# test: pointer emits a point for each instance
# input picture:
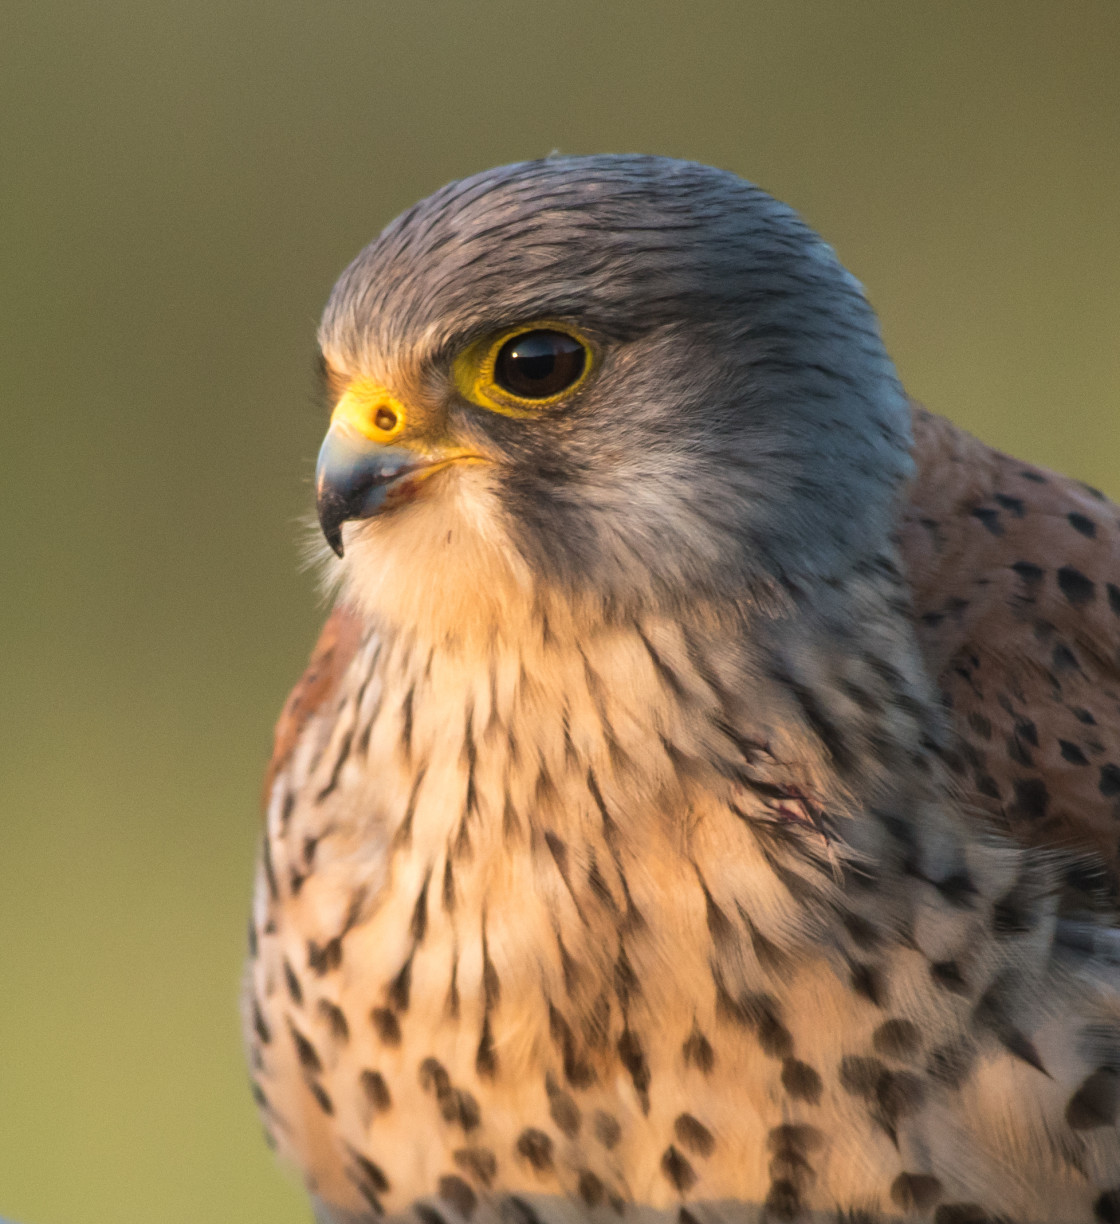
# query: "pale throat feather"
(563, 762)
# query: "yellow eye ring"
(523, 369)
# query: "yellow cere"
(473, 370)
(370, 410)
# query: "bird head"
(622, 381)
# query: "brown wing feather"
(336, 646)
(1016, 580)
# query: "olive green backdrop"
(180, 182)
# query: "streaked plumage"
(647, 838)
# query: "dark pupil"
(539, 364)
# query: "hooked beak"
(354, 479)
(360, 472)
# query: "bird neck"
(761, 739)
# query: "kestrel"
(702, 804)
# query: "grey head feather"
(745, 427)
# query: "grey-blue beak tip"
(352, 481)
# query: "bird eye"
(521, 370)
(536, 365)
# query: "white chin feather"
(440, 566)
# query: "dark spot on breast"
(606, 1129)
(577, 1071)
(371, 1173)
(987, 785)
(1013, 504)
(1072, 753)
(993, 1013)
(1062, 659)
(676, 1168)
(295, 990)
(1026, 730)
(801, 1081)
(761, 1013)
(1073, 584)
(898, 1094)
(600, 888)
(697, 1051)
(1031, 799)
(1083, 716)
(958, 889)
(867, 981)
(1030, 573)
(375, 1090)
(859, 1075)
(1095, 1102)
(1081, 524)
(305, 1051)
(897, 1038)
(863, 932)
(563, 1110)
(335, 1020)
(477, 1162)
(259, 1097)
(915, 1191)
(336, 770)
(626, 983)
(694, 1135)
(1114, 597)
(321, 1098)
(947, 974)
(491, 984)
(459, 1107)
(263, 1032)
(1033, 477)
(1109, 784)
(486, 1058)
(989, 518)
(831, 736)
(569, 968)
(455, 1191)
(386, 1026)
(980, 725)
(322, 960)
(1018, 751)
(782, 1201)
(418, 925)
(949, 1064)
(590, 1188)
(433, 1077)
(559, 852)
(536, 1147)
(794, 1136)
(310, 845)
(1015, 912)
(719, 926)
(634, 1060)
(1106, 1207)
(452, 1003)
(515, 1210)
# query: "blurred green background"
(180, 182)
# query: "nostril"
(385, 418)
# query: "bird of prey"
(703, 802)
